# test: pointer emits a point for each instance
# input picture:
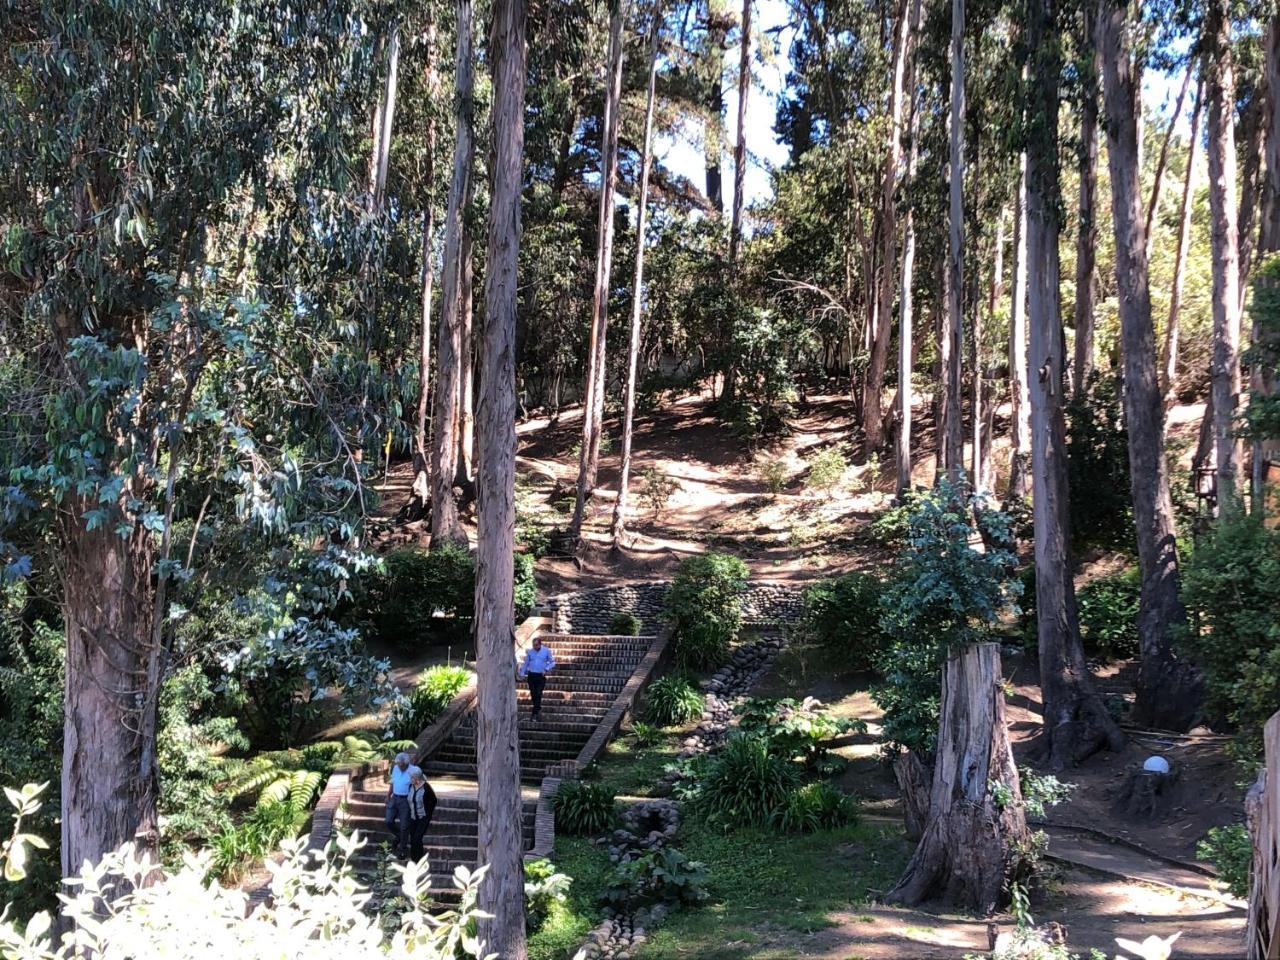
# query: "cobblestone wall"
(592, 611)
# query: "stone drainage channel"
(650, 824)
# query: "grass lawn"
(766, 887)
(630, 770)
(568, 924)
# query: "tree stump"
(914, 782)
(971, 842)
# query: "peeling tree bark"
(421, 454)
(906, 294)
(1020, 462)
(969, 847)
(1075, 721)
(740, 147)
(499, 833)
(951, 441)
(1169, 355)
(1087, 231)
(1170, 690)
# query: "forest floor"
(1098, 890)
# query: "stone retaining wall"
(764, 604)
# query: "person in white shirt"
(401, 779)
(538, 662)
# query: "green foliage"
(891, 527)
(434, 691)
(1109, 614)
(1040, 791)
(1098, 465)
(1262, 414)
(625, 625)
(745, 783)
(656, 488)
(827, 468)
(583, 808)
(1231, 851)
(660, 875)
(705, 607)
(15, 851)
(843, 615)
(645, 734)
(1231, 587)
(816, 806)
(942, 594)
(526, 588)
(672, 700)
(774, 475)
(794, 730)
(544, 890)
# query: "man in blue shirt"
(401, 779)
(538, 662)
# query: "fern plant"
(584, 809)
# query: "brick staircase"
(590, 673)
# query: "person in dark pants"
(422, 804)
(538, 662)
(399, 779)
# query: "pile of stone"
(617, 937)
(646, 825)
(592, 611)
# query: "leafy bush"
(1098, 465)
(1109, 614)
(843, 615)
(1231, 587)
(660, 875)
(815, 806)
(625, 625)
(582, 808)
(774, 474)
(656, 488)
(673, 700)
(943, 594)
(827, 468)
(745, 783)
(794, 731)
(526, 588)
(435, 690)
(645, 734)
(1231, 851)
(543, 888)
(891, 527)
(705, 605)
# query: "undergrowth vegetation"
(705, 607)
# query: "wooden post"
(1263, 808)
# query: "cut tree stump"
(971, 844)
(914, 783)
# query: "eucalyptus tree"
(1086, 291)
(177, 185)
(951, 442)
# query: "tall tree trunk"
(887, 230)
(906, 293)
(1020, 402)
(593, 406)
(740, 147)
(1087, 231)
(1169, 689)
(1075, 721)
(1169, 355)
(109, 778)
(1220, 89)
(445, 525)
(952, 437)
(466, 359)
(713, 126)
(618, 530)
(1158, 182)
(386, 118)
(971, 842)
(1265, 451)
(499, 833)
(1252, 127)
(421, 455)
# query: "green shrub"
(661, 875)
(656, 488)
(745, 783)
(1231, 587)
(435, 690)
(827, 468)
(645, 734)
(891, 527)
(794, 731)
(843, 615)
(543, 889)
(774, 475)
(582, 808)
(1231, 851)
(943, 594)
(673, 700)
(526, 589)
(705, 607)
(1098, 465)
(625, 625)
(1109, 614)
(816, 806)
